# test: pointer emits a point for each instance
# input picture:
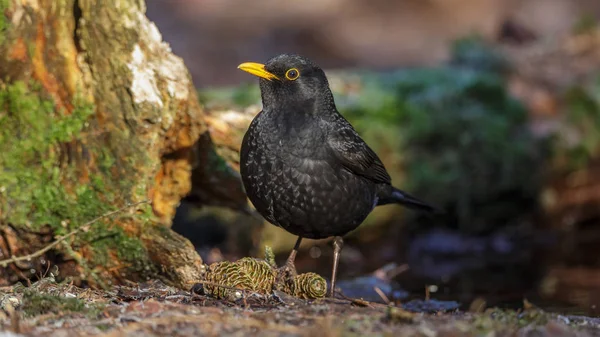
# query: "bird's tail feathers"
(397, 196)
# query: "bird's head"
(290, 80)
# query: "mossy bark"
(97, 113)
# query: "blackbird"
(304, 167)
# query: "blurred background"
(489, 109)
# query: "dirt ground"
(153, 309)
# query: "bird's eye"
(292, 74)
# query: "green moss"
(132, 249)
(108, 239)
(4, 4)
(31, 179)
(36, 303)
(146, 214)
(39, 187)
(497, 319)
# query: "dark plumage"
(303, 165)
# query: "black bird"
(303, 165)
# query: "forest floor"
(153, 309)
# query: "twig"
(356, 301)
(58, 241)
(382, 295)
(173, 297)
(362, 303)
(397, 271)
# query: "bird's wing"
(355, 155)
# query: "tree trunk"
(96, 113)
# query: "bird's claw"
(288, 270)
(285, 276)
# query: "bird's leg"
(338, 243)
(289, 266)
(287, 272)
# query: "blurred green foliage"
(465, 142)
(579, 142)
(587, 22)
(472, 53)
(242, 95)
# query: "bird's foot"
(285, 277)
(334, 292)
(288, 270)
(338, 243)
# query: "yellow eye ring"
(292, 74)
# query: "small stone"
(9, 303)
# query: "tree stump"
(96, 112)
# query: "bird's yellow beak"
(257, 69)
